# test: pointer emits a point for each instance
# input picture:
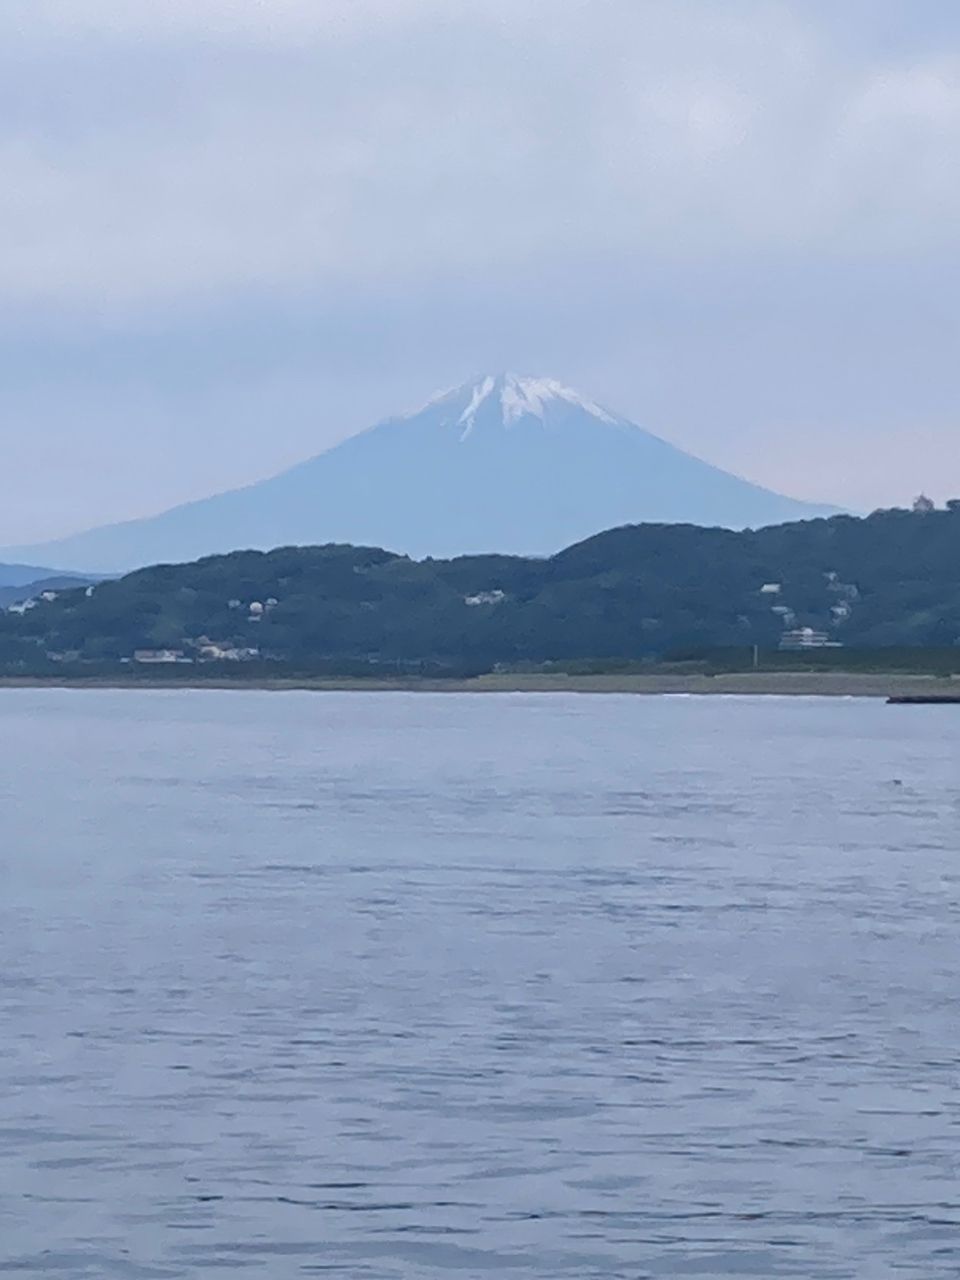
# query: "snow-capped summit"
(502, 464)
(506, 398)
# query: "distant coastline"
(816, 684)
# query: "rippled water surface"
(393, 986)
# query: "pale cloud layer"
(381, 189)
(287, 144)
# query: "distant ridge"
(22, 575)
(504, 463)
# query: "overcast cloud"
(234, 231)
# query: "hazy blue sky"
(234, 231)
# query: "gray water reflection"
(414, 986)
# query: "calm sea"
(399, 987)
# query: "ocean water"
(390, 986)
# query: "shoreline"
(810, 684)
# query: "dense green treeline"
(629, 594)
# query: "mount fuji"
(502, 464)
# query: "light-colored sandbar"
(778, 684)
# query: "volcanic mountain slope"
(502, 464)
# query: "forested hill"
(890, 579)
